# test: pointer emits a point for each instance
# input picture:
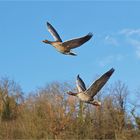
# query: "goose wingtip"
(112, 69)
(90, 34)
(78, 75)
(48, 24)
(110, 72)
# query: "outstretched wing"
(53, 32)
(80, 84)
(98, 84)
(74, 43)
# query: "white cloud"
(138, 53)
(128, 37)
(129, 32)
(110, 59)
(111, 40)
(135, 43)
(105, 61)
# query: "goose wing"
(53, 32)
(80, 84)
(99, 83)
(74, 43)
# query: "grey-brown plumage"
(65, 47)
(53, 32)
(80, 84)
(99, 83)
(86, 95)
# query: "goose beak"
(99, 104)
(72, 93)
(96, 103)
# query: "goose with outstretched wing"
(87, 95)
(65, 47)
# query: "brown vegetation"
(48, 113)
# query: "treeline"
(49, 113)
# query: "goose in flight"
(87, 95)
(65, 47)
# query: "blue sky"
(31, 63)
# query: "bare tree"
(10, 97)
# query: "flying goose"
(86, 95)
(65, 47)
